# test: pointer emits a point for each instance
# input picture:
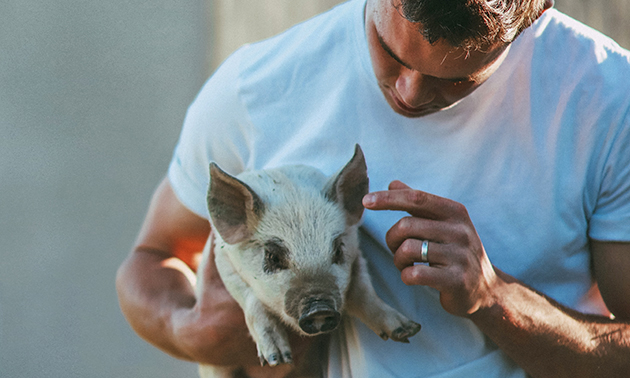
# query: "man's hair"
(471, 24)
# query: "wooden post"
(236, 22)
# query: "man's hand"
(214, 323)
(552, 341)
(458, 265)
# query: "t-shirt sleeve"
(215, 129)
(611, 218)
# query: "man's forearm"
(547, 340)
(156, 295)
(149, 290)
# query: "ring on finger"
(424, 251)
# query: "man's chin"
(403, 109)
(416, 113)
(408, 112)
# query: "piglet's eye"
(276, 256)
(338, 248)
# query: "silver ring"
(424, 251)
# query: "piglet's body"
(287, 250)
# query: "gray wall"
(92, 95)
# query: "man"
(516, 150)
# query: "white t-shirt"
(539, 155)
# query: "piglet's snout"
(318, 316)
(315, 303)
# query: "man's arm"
(156, 289)
(544, 338)
(549, 340)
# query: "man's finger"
(415, 202)
(398, 185)
(417, 228)
(410, 253)
(425, 275)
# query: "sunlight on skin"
(178, 265)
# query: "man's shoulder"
(304, 61)
(567, 35)
(568, 55)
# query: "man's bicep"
(611, 264)
(172, 228)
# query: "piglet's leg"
(268, 333)
(364, 303)
(265, 328)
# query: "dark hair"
(471, 24)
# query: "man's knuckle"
(462, 234)
(411, 276)
(407, 247)
(458, 210)
(416, 197)
(405, 225)
(392, 234)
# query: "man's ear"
(548, 5)
(348, 187)
(235, 209)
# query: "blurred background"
(92, 97)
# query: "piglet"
(287, 250)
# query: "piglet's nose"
(319, 317)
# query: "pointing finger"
(415, 202)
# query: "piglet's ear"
(348, 187)
(234, 207)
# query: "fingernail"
(369, 199)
